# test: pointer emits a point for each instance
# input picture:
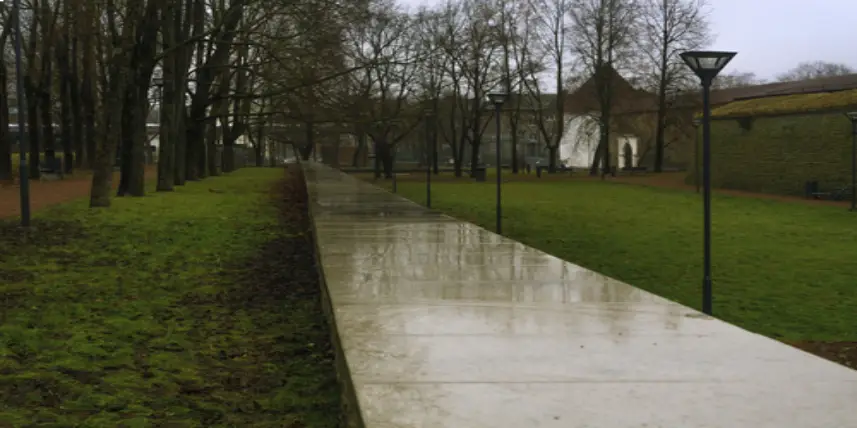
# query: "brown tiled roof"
(626, 98)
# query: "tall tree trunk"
(77, 116)
(118, 79)
(218, 127)
(240, 110)
(102, 178)
(46, 86)
(66, 83)
(126, 142)
(228, 156)
(361, 145)
(142, 64)
(179, 136)
(5, 140)
(458, 160)
(662, 109)
(259, 144)
(309, 146)
(166, 97)
(35, 130)
(139, 138)
(47, 114)
(474, 157)
(88, 86)
(205, 78)
(384, 154)
(213, 133)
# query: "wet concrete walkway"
(444, 324)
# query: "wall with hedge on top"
(779, 154)
(776, 144)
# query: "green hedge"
(788, 104)
(778, 155)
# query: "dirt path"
(46, 193)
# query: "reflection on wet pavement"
(444, 324)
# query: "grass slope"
(197, 308)
(781, 269)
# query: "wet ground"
(444, 323)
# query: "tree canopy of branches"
(214, 70)
(815, 70)
(225, 80)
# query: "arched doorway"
(627, 155)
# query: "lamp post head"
(707, 64)
(498, 98)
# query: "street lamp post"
(429, 149)
(706, 65)
(23, 146)
(853, 117)
(393, 170)
(498, 98)
(696, 122)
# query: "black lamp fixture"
(852, 116)
(706, 65)
(498, 99)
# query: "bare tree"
(603, 32)
(387, 47)
(815, 70)
(737, 79)
(668, 28)
(470, 40)
(5, 143)
(451, 111)
(433, 77)
(554, 26)
(478, 62)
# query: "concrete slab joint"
(440, 323)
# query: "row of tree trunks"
(5, 141)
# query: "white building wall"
(577, 147)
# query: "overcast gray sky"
(772, 36)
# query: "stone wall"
(778, 155)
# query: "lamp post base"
(707, 305)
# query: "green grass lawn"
(197, 308)
(786, 270)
